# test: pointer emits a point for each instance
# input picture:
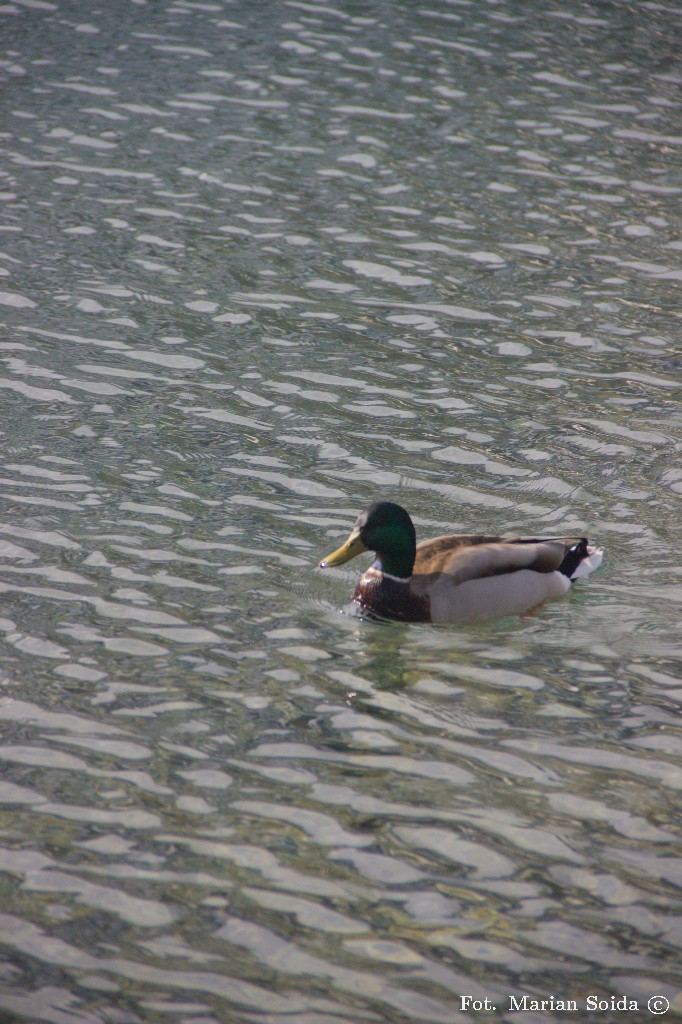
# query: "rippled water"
(262, 264)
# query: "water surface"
(258, 271)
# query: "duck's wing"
(471, 556)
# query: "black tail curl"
(574, 557)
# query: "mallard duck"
(460, 579)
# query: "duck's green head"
(386, 529)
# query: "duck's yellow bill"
(350, 549)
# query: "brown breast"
(391, 599)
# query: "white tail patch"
(594, 559)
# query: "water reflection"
(254, 275)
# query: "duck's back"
(470, 555)
(471, 578)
